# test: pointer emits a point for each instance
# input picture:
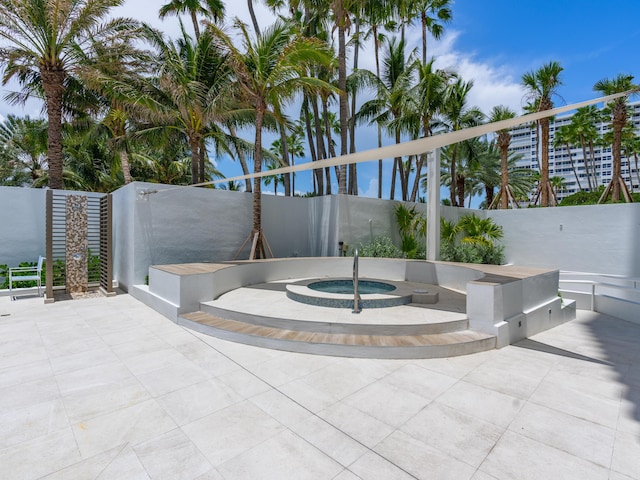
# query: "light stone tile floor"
(106, 388)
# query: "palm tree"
(456, 115)
(631, 147)
(377, 14)
(542, 85)
(564, 138)
(213, 9)
(42, 39)
(433, 15)
(558, 184)
(583, 127)
(393, 94)
(426, 101)
(191, 93)
(499, 113)
(618, 111)
(276, 179)
(25, 139)
(269, 72)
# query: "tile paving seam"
(275, 388)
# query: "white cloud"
(492, 85)
(372, 189)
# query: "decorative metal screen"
(106, 272)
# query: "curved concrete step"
(433, 345)
(337, 327)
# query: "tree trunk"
(340, 171)
(322, 153)
(489, 194)
(253, 17)
(460, 189)
(423, 17)
(193, 145)
(285, 159)
(243, 162)
(257, 168)
(202, 155)
(342, 85)
(585, 160)
(376, 46)
(594, 170)
(196, 27)
(504, 139)
(124, 164)
(416, 181)
(353, 168)
(452, 173)
(394, 171)
(616, 178)
(317, 172)
(573, 166)
(53, 86)
(545, 200)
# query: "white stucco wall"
(594, 238)
(22, 225)
(186, 224)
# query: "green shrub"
(379, 247)
(472, 253)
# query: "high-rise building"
(574, 170)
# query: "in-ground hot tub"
(338, 293)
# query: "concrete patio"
(107, 388)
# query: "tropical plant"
(393, 93)
(42, 40)
(456, 115)
(471, 240)
(583, 130)
(563, 139)
(541, 86)
(212, 9)
(24, 142)
(380, 247)
(270, 70)
(499, 113)
(412, 226)
(618, 111)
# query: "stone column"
(77, 271)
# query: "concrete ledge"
(424, 297)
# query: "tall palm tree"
(457, 114)
(618, 111)
(631, 147)
(26, 141)
(42, 38)
(499, 113)
(583, 127)
(564, 138)
(429, 95)
(393, 94)
(542, 85)
(212, 9)
(190, 94)
(341, 14)
(377, 14)
(433, 15)
(269, 72)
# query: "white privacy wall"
(186, 224)
(594, 238)
(22, 225)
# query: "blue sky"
(491, 42)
